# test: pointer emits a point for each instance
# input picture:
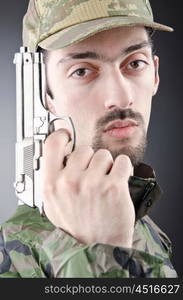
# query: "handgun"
(34, 122)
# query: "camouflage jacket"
(32, 247)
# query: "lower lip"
(121, 132)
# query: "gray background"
(164, 152)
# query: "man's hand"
(89, 197)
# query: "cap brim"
(79, 32)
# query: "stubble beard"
(135, 153)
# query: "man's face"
(105, 84)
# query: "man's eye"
(137, 65)
(81, 72)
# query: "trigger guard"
(51, 129)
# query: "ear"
(156, 77)
(50, 102)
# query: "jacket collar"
(144, 189)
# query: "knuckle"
(80, 151)
(51, 141)
(56, 137)
(88, 185)
(70, 185)
(86, 148)
(103, 153)
(63, 185)
(112, 189)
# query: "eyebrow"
(101, 57)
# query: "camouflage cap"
(54, 24)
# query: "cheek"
(78, 103)
(143, 92)
(81, 109)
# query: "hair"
(45, 54)
(149, 30)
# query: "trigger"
(38, 123)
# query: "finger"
(122, 168)
(54, 152)
(80, 158)
(101, 162)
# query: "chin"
(133, 148)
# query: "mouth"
(121, 129)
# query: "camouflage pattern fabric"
(54, 24)
(32, 247)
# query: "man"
(101, 72)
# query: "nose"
(118, 92)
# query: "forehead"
(110, 41)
